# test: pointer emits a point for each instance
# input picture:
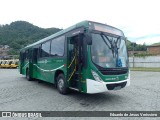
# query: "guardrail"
(149, 61)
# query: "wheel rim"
(60, 84)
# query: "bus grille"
(114, 72)
(112, 86)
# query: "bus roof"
(78, 25)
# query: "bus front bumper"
(98, 87)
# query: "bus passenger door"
(33, 61)
(74, 63)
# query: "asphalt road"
(18, 94)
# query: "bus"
(88, 57)
(0, 63)
(8, 64)
(3, 63)
(14, 64)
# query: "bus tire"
(28, 76)
(62, 85)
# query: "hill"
(21, 33)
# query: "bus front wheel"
(62, 85)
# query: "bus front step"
(73, 88)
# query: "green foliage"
(145, 69)
(136, 47)
(129, 47)
(13, 52)
(143, 55)
(20, 33)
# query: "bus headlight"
(96, 76)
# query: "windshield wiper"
(114, 46)
(102, 35)
(111, 46)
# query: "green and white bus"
(89, 57)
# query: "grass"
(145, 69)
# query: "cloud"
(148, 41)
(137, 18)
(149, 36)
(142, 33)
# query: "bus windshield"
(108, 51)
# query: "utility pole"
(133, 45)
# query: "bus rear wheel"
(62, 85)
(28, 76)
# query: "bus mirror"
(88, 39)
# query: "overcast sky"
(139, 19)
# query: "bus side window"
(57, 46)
(45, 51)
(27, 54)
(35, 54)
(39, 52)
(22, 56)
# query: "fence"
(149, 61)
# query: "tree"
(21, 33)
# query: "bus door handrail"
(74, 59)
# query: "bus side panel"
(34, 74)
(54, 65)
(24, 67)
(46, 68)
